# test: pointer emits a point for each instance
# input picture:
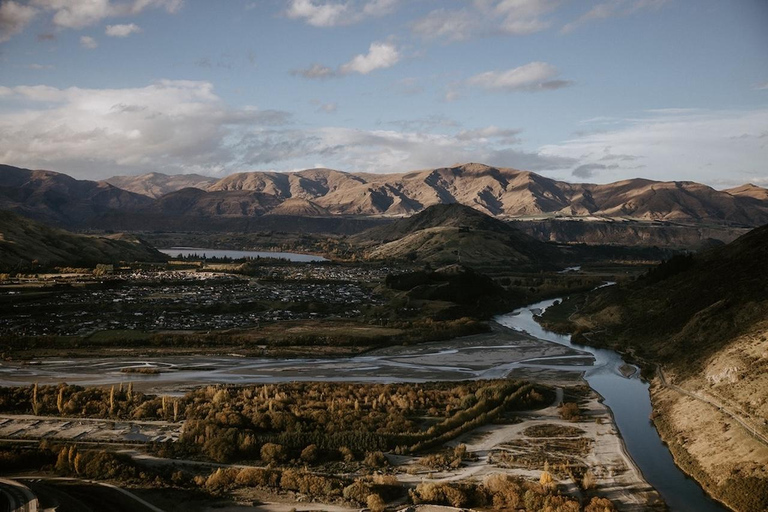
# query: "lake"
(235, 255)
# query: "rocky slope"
(23, 241)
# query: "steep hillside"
(23, 241)
(623, 232)
(687, 308)
(58, 199)
(704, 320)
(156, 184)
(455, 233)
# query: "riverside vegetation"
(333, 442)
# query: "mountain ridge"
(504, 193)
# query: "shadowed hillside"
(704, 320)
(689, 307)
(454, 233)
(61, 200)
(157, 184)
(23, 241)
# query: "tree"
(309, 453)
(588, 481)
(375, 503)
(272, 452)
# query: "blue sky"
(575, 90)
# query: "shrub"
(272, 452)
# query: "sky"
(577, 90)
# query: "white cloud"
(183, 126)
(172, 125)
(328, 108)
(77, 13)
(315, 72)
(452, 25)
(725, 147)
(534, 76)
(486, 17)
(122, 30)
(379, 56)
(14, 17)
(522, 17)
(321, 13)
(762, 87)
(390, 151)
(503, 135)
(88, 42)
(612, 9)
(38, 67)
(73, 14)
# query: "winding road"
(16, 497)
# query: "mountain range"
(499, 192)
(157, 201)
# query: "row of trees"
(504, 492)
(495, 492)
(229, 423)
(115, 402)
(226, 424)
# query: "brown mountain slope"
(454, 233)
(749, 190)
(704, 320)
(503, 192)
(23, 241)
(156, 184)
(500, 192)
(298, 207)
(194, 202)
(59, 199)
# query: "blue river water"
(629, 400)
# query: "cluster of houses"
(149, 301)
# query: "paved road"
(16, 497)
(76, 495)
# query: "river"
(484, 356)
(629, 400)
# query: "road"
(722, 408)
(16, 497)
(76, 495)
